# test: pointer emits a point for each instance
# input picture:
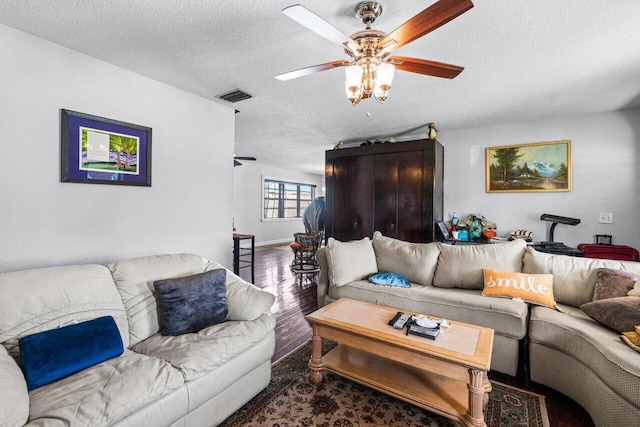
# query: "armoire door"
(398, 199)
(349, 182)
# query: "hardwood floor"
(295, 298)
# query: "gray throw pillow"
(620, 314)
(192, 303)
(613, 283)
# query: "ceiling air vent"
(234, 96)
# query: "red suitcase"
(619, 252)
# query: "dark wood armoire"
(394, 188)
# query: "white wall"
(247, 196)
(605, 157)
(44, 222)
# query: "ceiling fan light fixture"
(384, 74)
(369, 79)
(353, 74)
(384, 77)
(353, 83)
(380, 94)
(354, 94)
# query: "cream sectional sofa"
(195, 379)
(565, 350)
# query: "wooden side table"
(241, 254)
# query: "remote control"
(401, 321)
(396, 317)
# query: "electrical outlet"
(605, 218)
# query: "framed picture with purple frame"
(98, 150)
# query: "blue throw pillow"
(389, 279)
(192, 303)
(57, 353)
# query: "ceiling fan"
(237, 163)
(369, 66)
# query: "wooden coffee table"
(447, 376)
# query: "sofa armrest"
(244, 300)
(323, 279)
(14, 397)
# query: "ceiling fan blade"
(424, 22)
(310, 70)
(244, 158)
(423, 66)
(319, 26)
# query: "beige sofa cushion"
(14, 410)
(134, 279)
(42, 299)
(460, 266)
(414, 261)
(593, 345)
(244, 300)
(200, 353)
(350, 261)
(573, 278)
(104, 393)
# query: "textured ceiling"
(524, 60)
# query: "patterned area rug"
(292, 400)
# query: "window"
(286, 199)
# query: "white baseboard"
(274, 242)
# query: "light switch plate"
(605, 218)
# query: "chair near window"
(304, 249)
(306, 244)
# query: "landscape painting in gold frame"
(542, 166)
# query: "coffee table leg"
(477, 391)
(315, 364)
(487, 390)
